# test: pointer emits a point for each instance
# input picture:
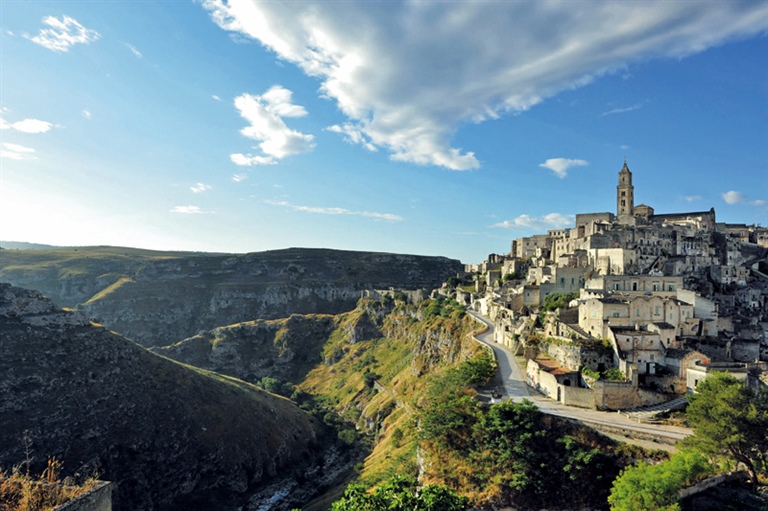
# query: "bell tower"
(625, 195)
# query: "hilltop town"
(632, 308)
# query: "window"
(671, 287)
(637, 312)
(656, 311)
(623, 193)
(615, 314)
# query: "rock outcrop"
(160, 299)
(172, 437)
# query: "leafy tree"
(515, 444)
(450, 413)
(400, 494)
(730, 420)
(645, 487)
(557, 300)
(479, 369)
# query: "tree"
(645, 487)
(515, 445)
(479, 369)
(729, 420)
(400, 494)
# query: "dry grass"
(20, 491)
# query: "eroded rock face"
(286, 349)
(172, 437)
(159, 300)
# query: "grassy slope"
(171, 435)
(398, 360)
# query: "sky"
(423, 127)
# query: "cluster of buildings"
(660, 299)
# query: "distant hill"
(23, 245)
(172, 436)
(157, 298)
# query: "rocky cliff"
(160, 298)
(173, 437)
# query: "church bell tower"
(625, 195)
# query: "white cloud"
(17, 152)
(217, 98)
(353, 135)
(63, 34)
(200, 188)
(187, 210)
(622, 110)
(560, 166)
(408, 75)
(133, 49)
(265, 115)
(733, 197)
(237, 178)
(336, 211)
(86, 113)
(693, 198)
(549, 221)
(27, 126)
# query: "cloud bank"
(336, 211)
(17, 152)
(26, 126)
(734, 197)
(408, 75)
(63, 34)
(539, 224)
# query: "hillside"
(335, 360)
(173, 437)
(157, 298)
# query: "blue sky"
(436, 128)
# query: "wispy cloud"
(336, 211)
(187, 210)
(17, 152)
(389, 77)
(200, 188)
(734, 197)
(86, 113)
(217, 98)
(27, 126)
(549, 221)
(237, 178)
(63, 34)
(353, 135)
(133, 49)
(622, 110)
(693, 198)
(265, 114)
(560, 166)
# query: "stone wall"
(669, 383)
(98, 499)
(575, 396)
(574, 357)
(541, 380)
(610, 395)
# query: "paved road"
(516, 389)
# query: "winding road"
(516, 389)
